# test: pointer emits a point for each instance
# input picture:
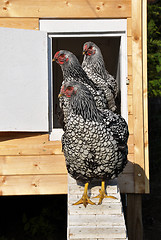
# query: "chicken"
(72, 71)
(89, 145)
(93, 65)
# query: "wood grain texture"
(129, 27)
(138, 96)
(131, 124)
(43, 164)
(66, 9)
(130, 85)
(129, 46)
(129, 61)
(30, 184)
(130, 104)
(145, 95)
(21, 144)
(21, 23)
(22, 165)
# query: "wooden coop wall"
(29, 162)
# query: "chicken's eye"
(62, 58)
(69, 88)
(91, 51)
(69, 91)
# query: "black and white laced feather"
(90, 145)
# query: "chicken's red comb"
(56, 55)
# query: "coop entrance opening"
(109, 46)
(110, 36)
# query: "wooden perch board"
(105, 221)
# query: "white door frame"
(88, 28)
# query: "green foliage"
(154, 49)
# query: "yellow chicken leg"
(85, 199)
(102, 193)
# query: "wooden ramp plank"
(95, 222)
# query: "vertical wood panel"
(129, 27)
(130, 85)
(129, 59)
(137, 96)
(145, 95)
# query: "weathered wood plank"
(102, 209)
(100, 232)
(30, 184)
(145, 95)
(100, 238)
(66, 9)
(20, 165)
(23, 23)
(139, 176)
(102, 220)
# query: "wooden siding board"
(66, 9)
(16, 165)
(28, 144)
(33, 184)
(22, 23)
(139, 174)
(28, 149)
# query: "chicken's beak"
(53, 60)
(60, 95)
(84, 52)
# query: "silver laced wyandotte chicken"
(92, 147)
(72, 71)
(94, 66)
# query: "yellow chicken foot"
(85, 199)
(102, 193)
